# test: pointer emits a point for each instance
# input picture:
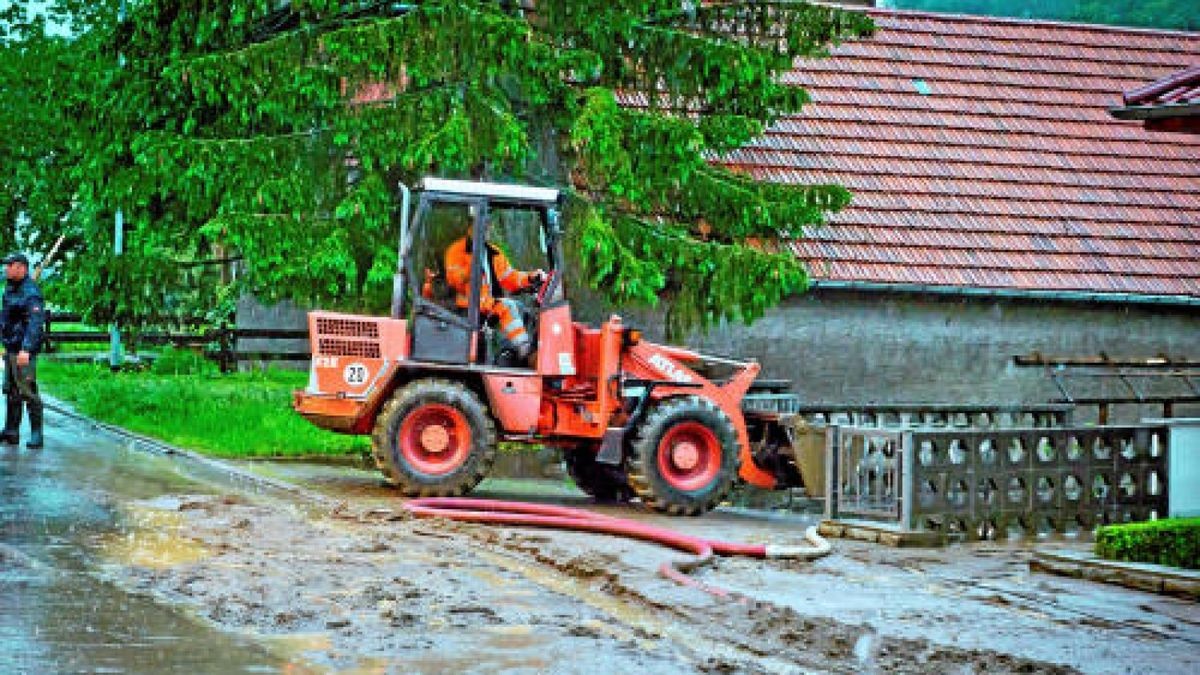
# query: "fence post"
(47, 343)
(226, 358)
(832, 469)
(907, 476)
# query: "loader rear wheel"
(434, 438)
(684, 457)
(601, 482)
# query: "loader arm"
(666, 366)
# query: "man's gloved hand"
(427, 285)
(537, 278)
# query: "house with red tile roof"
(998, 210)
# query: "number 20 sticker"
(355, 374)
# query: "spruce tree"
(274, 133)
(37, 122)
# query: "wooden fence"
(218, 344)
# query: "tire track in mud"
(744, 634)
(586, 579)
(352, 591)
(748, 636)
(700, 633)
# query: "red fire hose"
(546, 515)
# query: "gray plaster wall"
(851, 347)
(843, 347)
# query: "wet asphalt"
(65, 523)
(61, 518)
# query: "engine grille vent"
(348, 328)
(338, 347)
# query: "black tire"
(471, 439)
(646, 476)
(602, 482)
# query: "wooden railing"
(1142, 380)
(219, 344)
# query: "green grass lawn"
(184, 401)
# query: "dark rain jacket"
(23, 317)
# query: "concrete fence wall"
(849, 347)
(994, 483)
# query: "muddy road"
(338, 579)
(67, 542)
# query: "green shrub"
(1174, 542)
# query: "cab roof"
(494, 191)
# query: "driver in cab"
(498, 273)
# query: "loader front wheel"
(684, 457)
(434, 438)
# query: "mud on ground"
(374, 591)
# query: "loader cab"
(520, 221)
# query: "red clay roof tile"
(1009, 173)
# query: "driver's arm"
(512, 280)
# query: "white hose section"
(819, 549)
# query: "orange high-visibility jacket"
(458, 275)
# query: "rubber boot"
(12, 422)
(35, 426)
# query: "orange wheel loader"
(437, 390)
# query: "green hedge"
(1174, 542)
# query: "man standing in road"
(21, 323)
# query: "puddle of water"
(56, 620)
(517, 636)
(493, 663)
(57, 611)
(154, 540)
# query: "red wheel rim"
(435, 439)
(689, 456)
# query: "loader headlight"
(632, 336)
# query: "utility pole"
(114, 331)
